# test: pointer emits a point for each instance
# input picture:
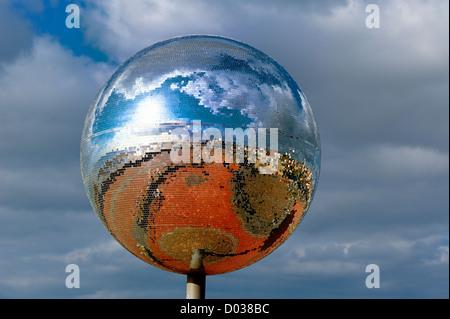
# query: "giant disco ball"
(200, 154)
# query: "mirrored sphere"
(200, 154)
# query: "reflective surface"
(186, 203)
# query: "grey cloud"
(227, 18)
(318, 266)
(15, 35)
(46, 95)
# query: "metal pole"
(195, 287)
(196, 278)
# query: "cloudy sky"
(381, 101)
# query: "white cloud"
(440, 257)
(418, 28)
(443, 255)
(121, 28)
(410, 31)
(45, 95)
(328, 259)
(86, 254)
(50, 76)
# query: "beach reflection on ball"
(200, 153)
